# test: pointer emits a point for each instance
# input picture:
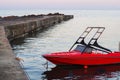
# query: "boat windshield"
(82, 48)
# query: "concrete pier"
(15, 27)
(10, 68)
(21, 27)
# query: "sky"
(60, 4)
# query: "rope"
(25, 71)
(22, 66)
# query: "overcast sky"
(59, 4)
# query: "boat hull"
(76, 58)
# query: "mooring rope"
(25, 71)
(22, 66)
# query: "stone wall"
(23, 28)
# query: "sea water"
(60, 38)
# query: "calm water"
(60, 38)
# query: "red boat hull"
(76, 58)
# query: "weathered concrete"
(9, 67)
(12, 28)
(16, 29)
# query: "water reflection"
(109, 72)
(22, 40)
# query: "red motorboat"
(82, 53)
